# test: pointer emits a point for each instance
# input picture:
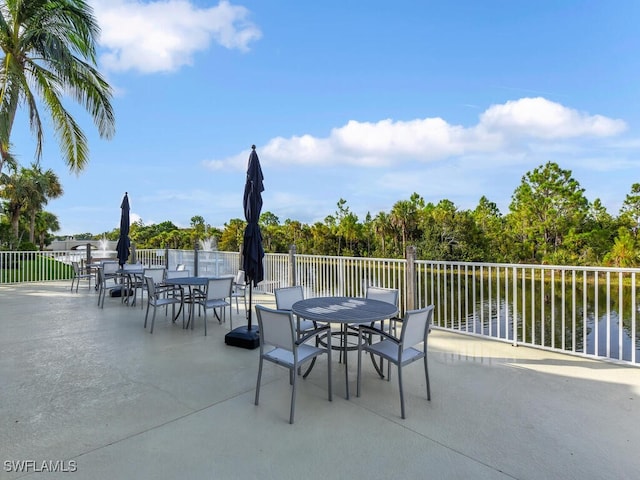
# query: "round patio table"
(344, 311)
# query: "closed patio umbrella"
(123, 240)
(252, 250)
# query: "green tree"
(545, 207)
(44, 187)
(598, 236)
(49, 49)
(270, 228)
(382, 228)
(45, 222)
(232, 235)
(630, 210)
(404, 217)
(624, 252)
(490, 223)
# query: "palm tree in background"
(45, 222)
(44, 186)
(49, 49)
(27, 191)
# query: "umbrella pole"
(249, 312)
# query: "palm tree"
(404, 217)
(27, 191)
(46, 185)
(49, 51)
(17, 188)
(45, 222)
(382, 227)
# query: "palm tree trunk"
(32, 227)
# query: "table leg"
(346, 362)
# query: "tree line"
(550, 221)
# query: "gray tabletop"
(344, 309)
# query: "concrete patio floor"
(92, 389)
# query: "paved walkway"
(91, 389)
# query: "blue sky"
(366, 101)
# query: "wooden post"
(166, 258)
(410, 278)
(292, 266)
(134, 258)
(195, 259)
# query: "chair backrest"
(177, 273)
(180, 267)
(219, 288)
(76, 267)
(151, 286)
(240, 279)
(276, 327)
(287, 296)
(109, 268)
(389, 295)
(415, 327)
(157, 274)
(132, 266)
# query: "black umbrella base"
(243, 337)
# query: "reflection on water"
(578, 335)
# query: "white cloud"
(162, 36)
(514, 127)
(541, 118)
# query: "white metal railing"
(588, 311)
(33, 266)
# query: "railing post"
(88, 253)
(292, 266)
(134, 258)
(410, 278)
(166, 258)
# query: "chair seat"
(389, 350)
(161, 302)
(284, 357)
(306, 325)
(215, 303)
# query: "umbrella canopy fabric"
(252, 250)
(123, 240)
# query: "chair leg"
(293, 395)
(426, 374)
(258, 383)
(146, 316)
(153, 319)
(401, 391)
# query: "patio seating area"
(90, 385)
